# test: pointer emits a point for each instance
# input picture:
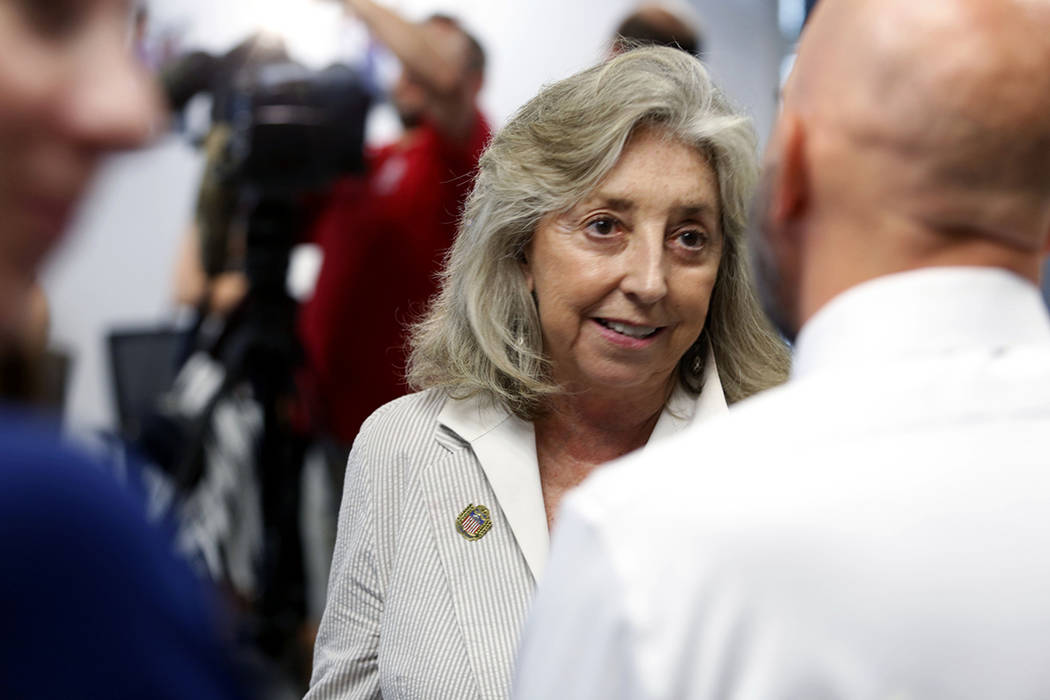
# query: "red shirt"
(383, 238)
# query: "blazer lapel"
(488, 579)
(491, 577)
(505, 446)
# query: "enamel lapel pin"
(474, 522)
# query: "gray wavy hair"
(482, 332)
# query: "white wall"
(115, 267)
(116, 270)
(745, 50)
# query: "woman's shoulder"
(396, 441)
(425, 421)
(405, 428)
(406, 413)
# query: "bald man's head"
(952, 98)
(924, 118)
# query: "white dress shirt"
(879, 527)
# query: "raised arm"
(436, 56)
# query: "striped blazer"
(416, 609)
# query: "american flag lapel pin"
(474, 522)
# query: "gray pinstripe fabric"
(415, 610)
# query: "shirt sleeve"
(577, 642)
(346, 654)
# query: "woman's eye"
(692, 239)
(602, 226)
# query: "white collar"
(928, 311)
(505, 445)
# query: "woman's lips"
(627, 335)
(633, 330)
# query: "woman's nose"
(645, 274)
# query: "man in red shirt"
(383, 235)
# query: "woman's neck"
(586, 428)
(579, 432)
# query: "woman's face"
(623, 280)
(70, 91)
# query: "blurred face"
(69, 93)
(409, 93)
(409, 98)
(623, 280)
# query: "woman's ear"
(523, 260)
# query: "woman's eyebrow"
(696, 210)
(685, 210)
(612, 202)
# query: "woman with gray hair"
(597, 297)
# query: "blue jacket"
(93, 602)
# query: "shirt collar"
(929, 311)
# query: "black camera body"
(284, 131)
(295, 130)
(292, 132)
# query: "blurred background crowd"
(526, 46)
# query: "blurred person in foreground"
(383, 235)
(659, 24)
(93, 602)
(597, 298)
(877, 527)
(23, 349)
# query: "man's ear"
(790, 182)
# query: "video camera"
(279, 132)
(292, 132)
(295, 130)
